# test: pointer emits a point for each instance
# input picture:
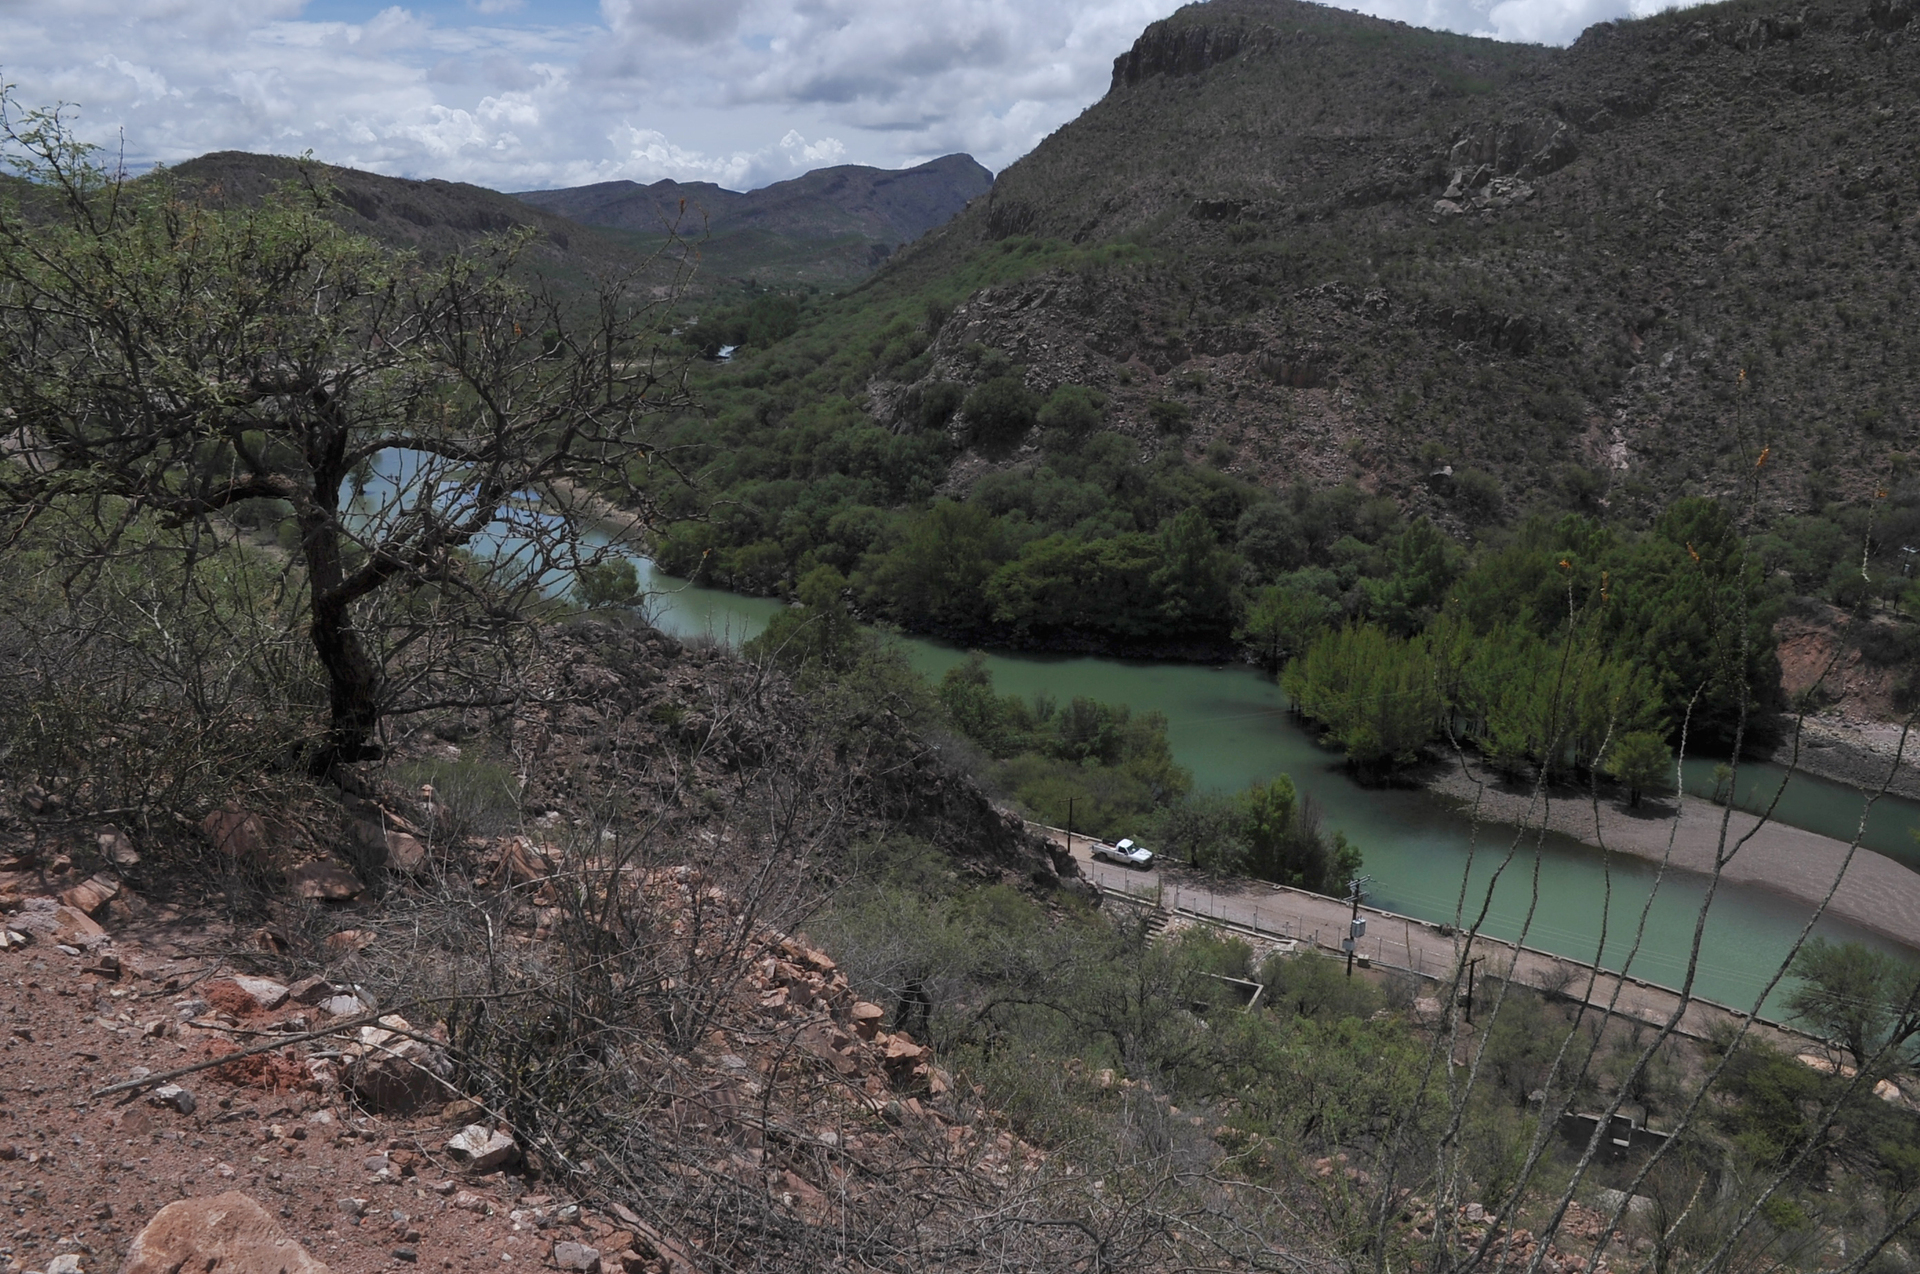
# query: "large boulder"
(227, 1232)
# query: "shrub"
(937, 403)
(606, 584)
(1073, 409)
(1168, 416)
(1000, 411)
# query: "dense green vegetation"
(1561, 647)
(1564, 634)
(1555, 642)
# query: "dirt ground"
(84, 1174)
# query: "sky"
(528, 94)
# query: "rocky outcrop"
(1165, 49)
(227, 1232)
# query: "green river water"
(1230, 727)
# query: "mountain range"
(831, 224)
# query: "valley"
(543, 729)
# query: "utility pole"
(1470, 968)
(1356, 927)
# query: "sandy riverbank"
(1860, 753)
(1875, 892)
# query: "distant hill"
(432, 217)
(831, 225)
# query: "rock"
(10, 939)
(351, 1207)
(117, 849)
(1637, 1205)
(173, 1095)
(480, 1149)
(227, 1232)
(348, 941)
(67, 1263)
(324, 880)
(866, 1019)
(45, 918)
(520, 863)
(310, 990)
(375, 842)
(406, 853)
(268, 940)
(236, 833)
(902, 1051)
(393, 1071)
(569, 1255)
(344, 1005)
(460, 1111)
(407, 1254)
(267, 993)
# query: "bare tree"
(164, 362)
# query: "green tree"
(1642, 760)
(1377, 695)
(1283, 621)
(1864, 1000)
(1169, 416)
(1000, 411)
(819, 634)
(1422, 565)
(1074, 410)
(181, 360)
(935, 573)
(1065, 583)
(1000, 724)
(1281, 832)
(1194, 579)
(604, 585)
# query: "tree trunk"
(353, 678)
(353, 688)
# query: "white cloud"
(513, 95)
(827, 150)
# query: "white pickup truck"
(1125, 852)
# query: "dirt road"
(1276, 914)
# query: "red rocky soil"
(85, 1172)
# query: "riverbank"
(1875, 892)
(1859, 753)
